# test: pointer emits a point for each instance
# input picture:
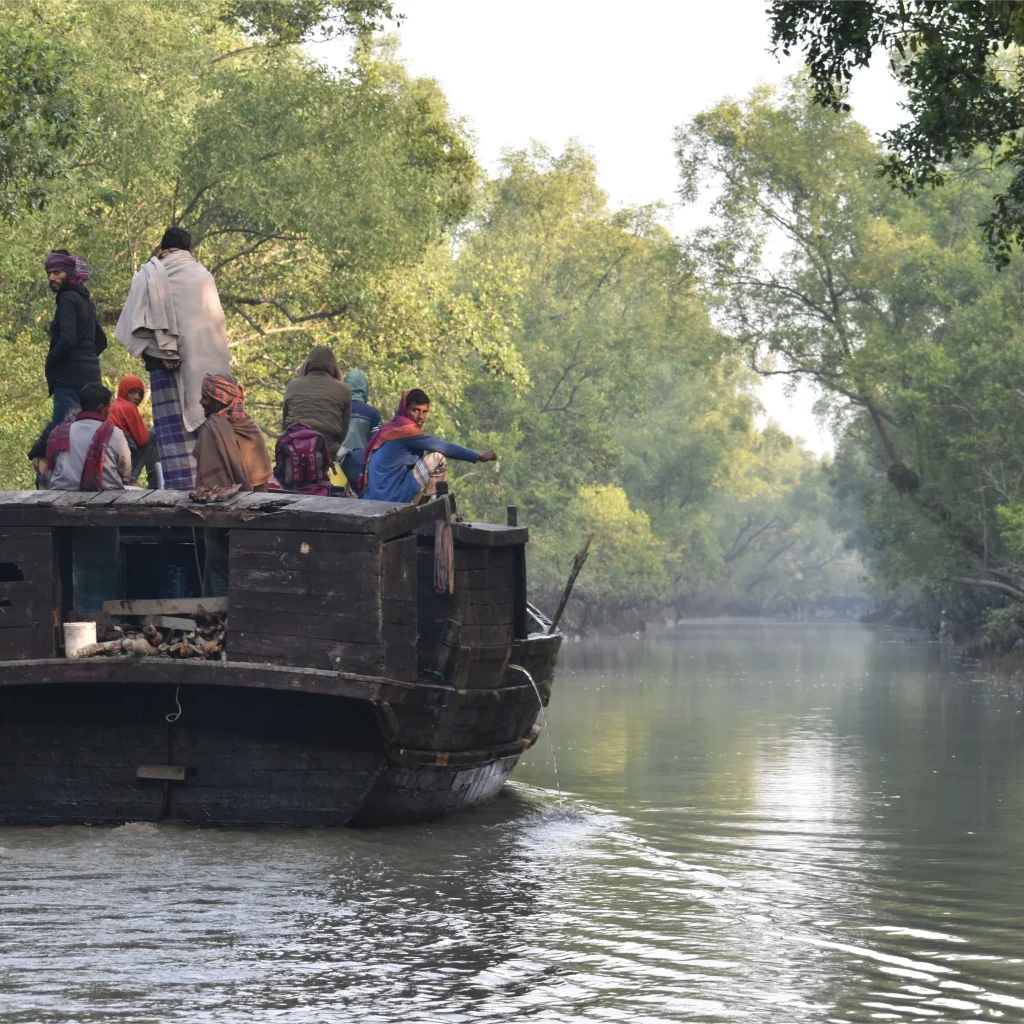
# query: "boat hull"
(107, 742)
(404, 795)
(74, 754)
(356, 688)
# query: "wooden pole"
(577, 564)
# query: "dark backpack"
(302, 460)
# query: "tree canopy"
(885, 303)
(40, 114)
(305, 189)
(962, 68)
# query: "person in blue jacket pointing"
(402, 463)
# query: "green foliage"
(628, 566)
(887, 306)
(40, 115)
(628, 383)
(594, 299)
(962, 68)
(308, 193)
(292, 21)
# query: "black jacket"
(76, 341)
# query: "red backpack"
(302, 460)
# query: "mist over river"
(760, 822)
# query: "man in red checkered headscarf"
(229, 445)
(229, 450)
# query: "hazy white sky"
(553, 70)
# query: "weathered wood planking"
(279, 649)
(500, 577)
(340, 603)
(434, 609)
(168, 606)
(24, 545)
(489, 535)
(399, 613)
(519, 599)
(258, 751)
(487, 602)
(326, 586)
(133, 671)
(327, 550)
(346, 601)
(318, 613)
(482, 535)
(249, 511)
(356, 563)
(29, 593)
(322, 624)
(72, 754)
(350, 599)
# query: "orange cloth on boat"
(126, 415)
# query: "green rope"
(175, 715)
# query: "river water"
(763, 823)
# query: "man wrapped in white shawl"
(174, 321)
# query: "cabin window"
(140, 563)
(160, 563)
(10, 572)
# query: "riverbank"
(634, 623)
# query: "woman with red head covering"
(124, 413)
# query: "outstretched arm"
(426, 443)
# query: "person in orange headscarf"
(124, 413)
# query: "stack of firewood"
(203, 642)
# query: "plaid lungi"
(175, 441)
(429, 469)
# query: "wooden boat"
(349, 693)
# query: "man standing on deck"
(76, 338)
(173, 319)
(403, 463)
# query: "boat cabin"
(326, 583)
(341, 688)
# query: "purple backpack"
(302, 460)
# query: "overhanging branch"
(1005, 588)
(244, 300)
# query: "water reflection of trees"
(837, 777)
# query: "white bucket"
(78, 635)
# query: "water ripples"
(792, 866)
